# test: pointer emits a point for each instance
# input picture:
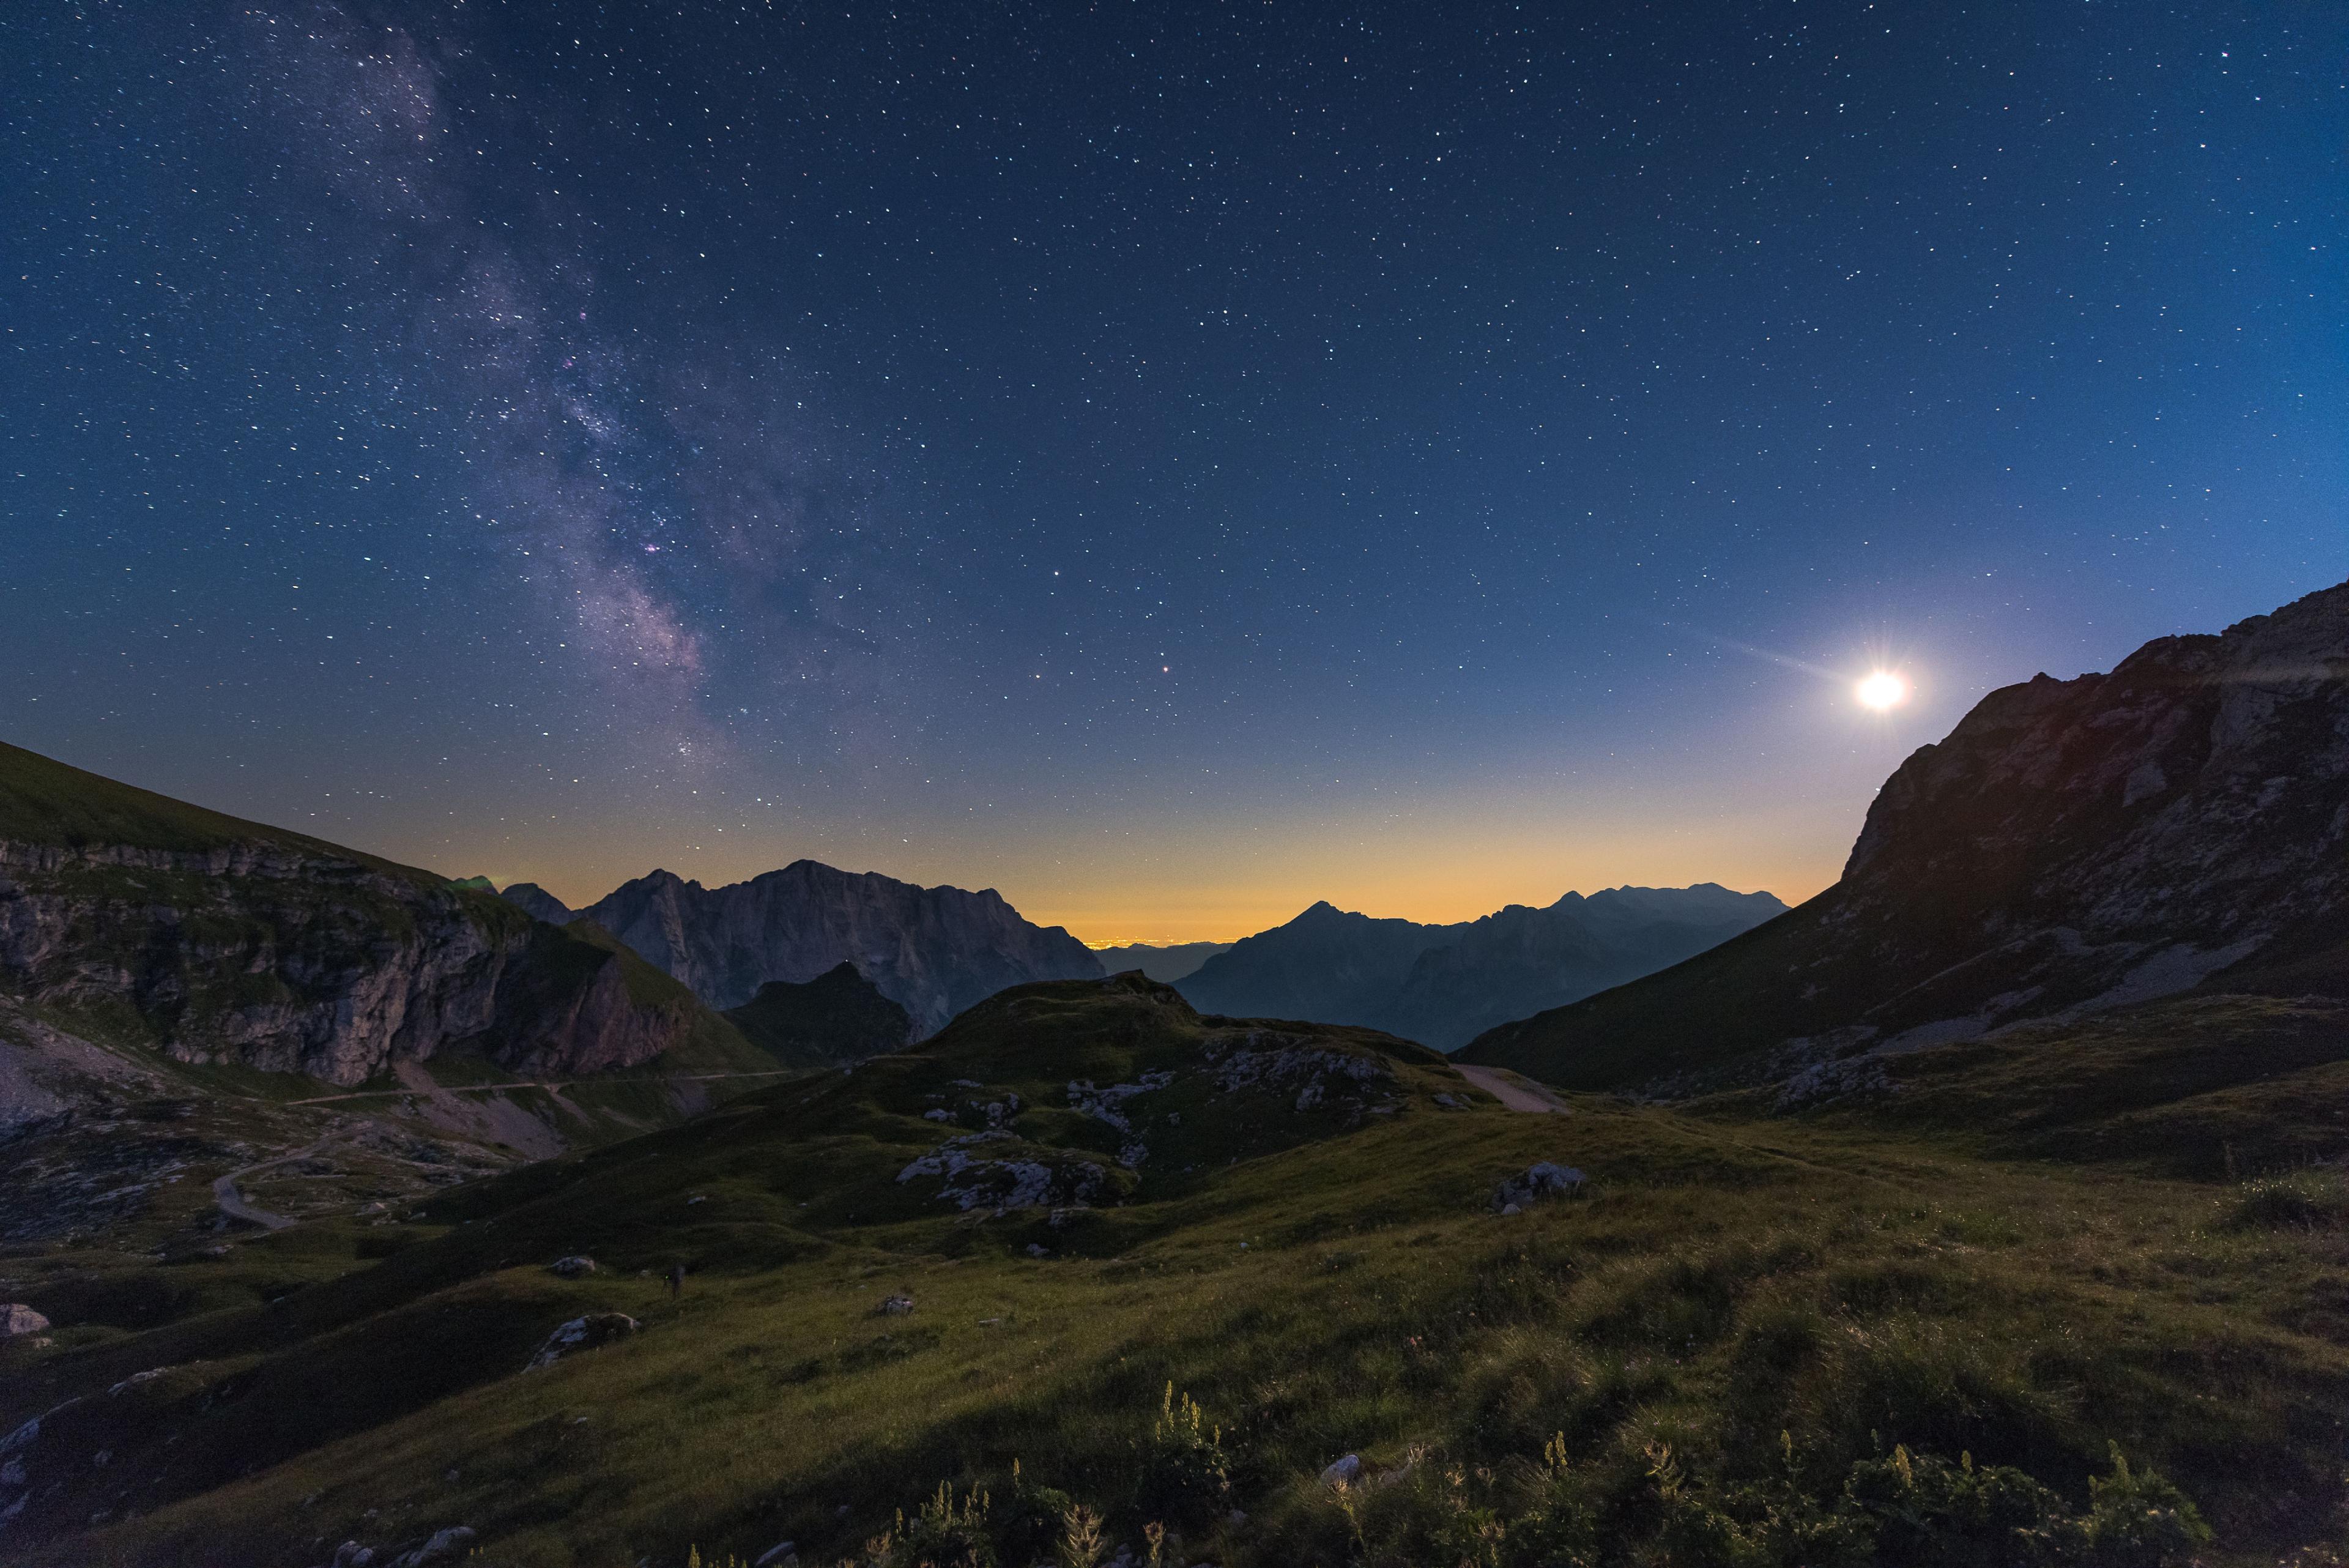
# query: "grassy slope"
(836, 1018)
(1320, 1287)
(43, 801)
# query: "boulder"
(895, 1306)
(588, 1333)
(1344, 1471)
(1542, 1180)
(16, 1318)
(573, 1266)
(446, 1546)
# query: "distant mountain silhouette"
(836, 1018)
(1163, 965)
(533, 900)
(1441, 985)
(2072, 846)
(934, 951)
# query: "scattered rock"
(940, 1114)
(446, 1546)
(1511, 1209)
(894, 1307)
(351, 1554)
(1345, 1471)
(16, 1318)
(696, 1198)
(1542, 1180)
(588, 1333)
(1447, 1102)
(1038, 1249)
(573, 1266)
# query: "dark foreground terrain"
(1087, 1256)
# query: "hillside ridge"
(2071, 846)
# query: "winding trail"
(231, 1202)
(1515, 1093)
(547, 1083)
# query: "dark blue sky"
(1169, 465)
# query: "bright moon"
(1881, 690)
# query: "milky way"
(1172, 467)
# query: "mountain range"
(2072, 847)
(933, 951)
(1442, 984)
(2006, 1224)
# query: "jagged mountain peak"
(2071, 845)
(934, 951)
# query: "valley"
(1987, 1208)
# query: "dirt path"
(231, 1202)
(1515, 1093)
(549, 1085)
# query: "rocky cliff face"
(2072, 847)
(222, 940)
(935, 951)
(1441, 985)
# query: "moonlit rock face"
(2072, 847)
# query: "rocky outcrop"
(230, 941)
(592, 1331)
(1442, 984)
(935, 951)
(2073, 845)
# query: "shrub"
(1930, 1513)
(1184, 1475)
(945, 1533)
(2305, 1199)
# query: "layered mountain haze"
(1165, 963)
(934, 951)
(2074, 847)
(1441, 985)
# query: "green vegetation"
(837, 1017)
(43, 801)
(1824, 1340)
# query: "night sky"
(1167, 463)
